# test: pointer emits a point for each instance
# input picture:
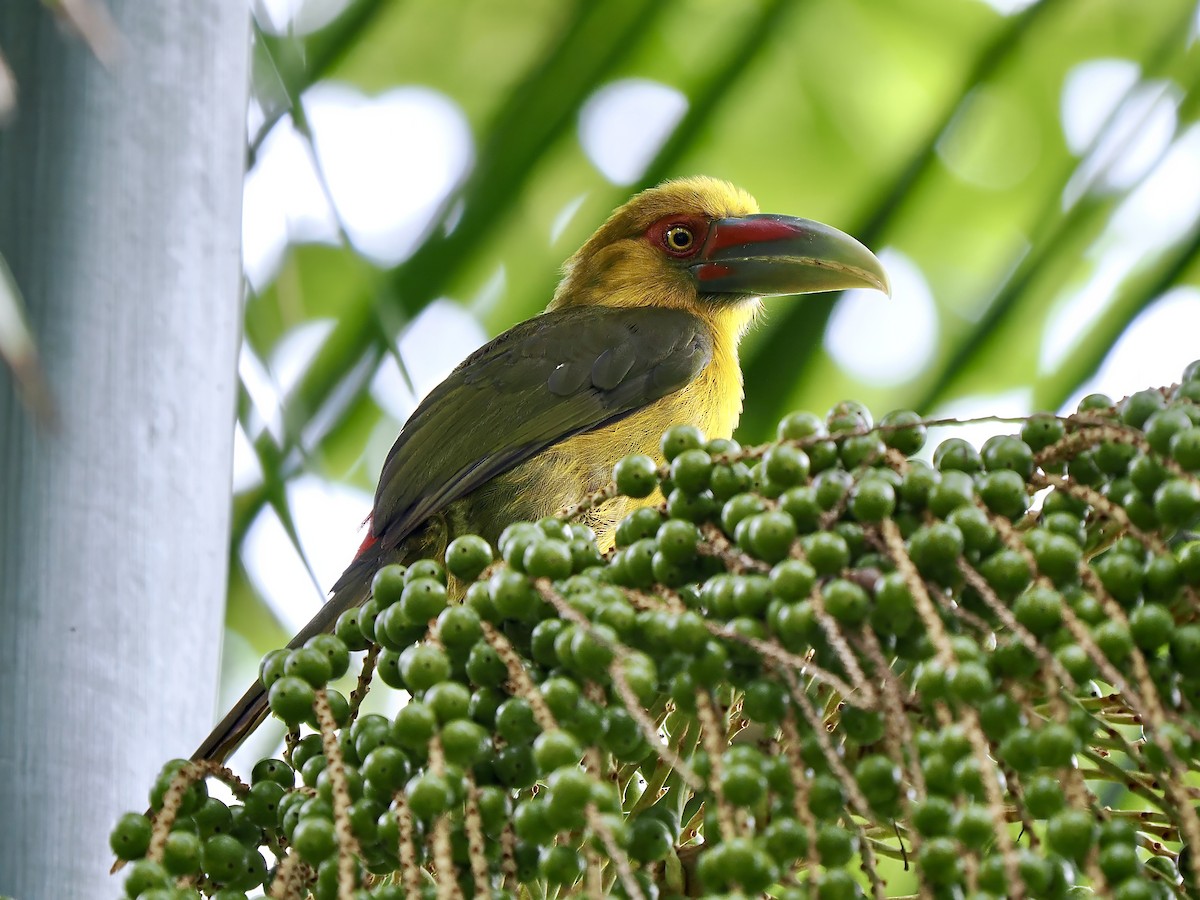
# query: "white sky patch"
(390, 161)
(437, 340)
(564, 217)
(328, 518)
(623, 124)
(1128, 125)
(1158, 212)
(881, 340)
(1152, 352)
(282, 203)
(296, 17)
(1010, 404)
(1009, 7)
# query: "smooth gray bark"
(120, 198)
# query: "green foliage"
(857, 674)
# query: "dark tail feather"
(249, 712)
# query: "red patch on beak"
(736, 232)
(712, 270)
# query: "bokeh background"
(418, 170)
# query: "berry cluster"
(820, 668)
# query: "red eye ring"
(678, 236)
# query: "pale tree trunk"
(120, 196)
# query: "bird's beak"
(765, 255)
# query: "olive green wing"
(551, 377)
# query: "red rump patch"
(369, 541)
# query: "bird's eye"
(679, 239)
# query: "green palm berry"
(429, 795)
(827, 552)
(970, 682)
(678, 540)
(223, 857)
(786, 840)
(449, 700)
(1058, 557)
(1006, 451)
(738, 508)
(459, 627)
(691, 470)
(826, 797)
(145, 876)
(431, 568)
(423, 599)
(872, 500)
(262, 803)
(799, 425)
(642, 523)
(770, 535)
(1118, 862)
(1150, 626)
(793, 579)
(1076, 661)
(1138, 407)
(1003, 492)
(902, 430)
(387, 585)
(484, 667)
(1056, 743)
(291, 699)
(831, 487)
(957, 454)
(182, 853)
(1072, 832)
(1147, 473)
(1114, 640)
(785, 465)
(349, 630)
(468, 555)
(271, 669)
(515, 721)
(560, 865)
(974, 826)
(513, 595)
(952, 490)
(334, 650)
(422, 666)
(918, 482)
(936, 548)
(1177, 502)
(1019, 750)
(729, 480)
(1044, 796)
(861, 450)
(1041, 430)
(933, 816)
(548, 559)
(131, 836)
(1185, 447)
(835, 845)
(1163, 425)
(554, 749)
(679, 438)
(743, 785)
(940, 861)
(1121, 574)
(801, 504)
(846, 601)
(636, 475)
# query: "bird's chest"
(560, 475)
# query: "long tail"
(249, 712)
